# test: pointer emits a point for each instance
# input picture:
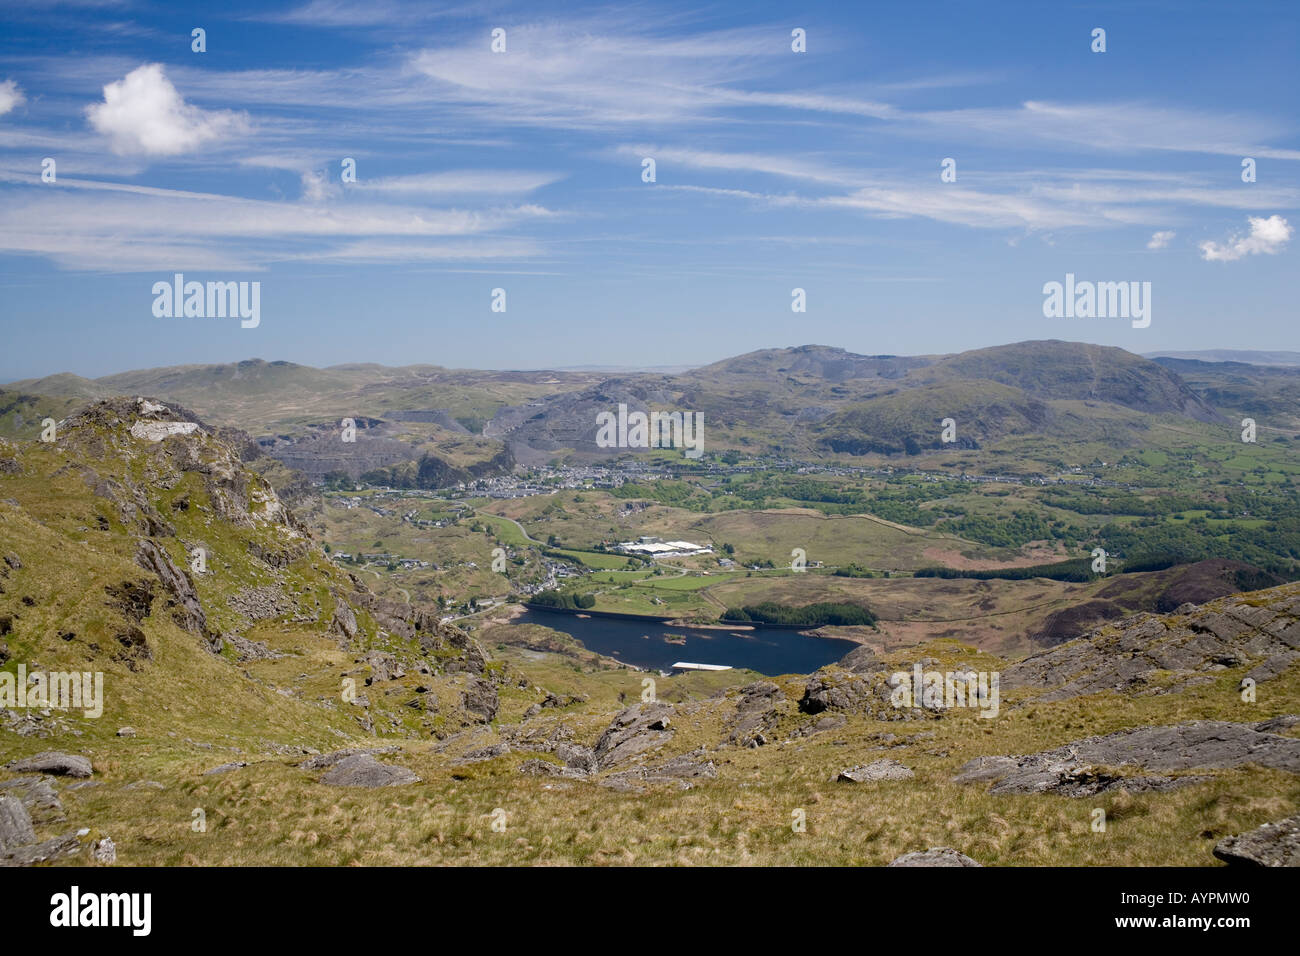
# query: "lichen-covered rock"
(363, 770)
(54, 762)
(480, 700)
(935, 856)
(15, 825)
(1149, 654)
(876, 770)
(639, 728)
(1273, 844)
(1073, 769)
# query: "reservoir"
(646, 644)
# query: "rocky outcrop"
(1273, 844)
(1077, 769)
(15, 825)
(187, 609)
(53, 762)
(38, 795)
(480, 700)
(756, 712)
(321, 761)
(635, 730)
(343, 625)
(679, 770)
(1149, 654)
(260, 604)
(876, 770)
(383, 667)
(935, 856)
(363, 770)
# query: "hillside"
(803, 401)
(302, 720)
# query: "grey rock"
(54, 762)
(343, 625)
(126, 731)
(876, 770)
(15, 825)
(1072, 769)
(860, 660)
(576, 756)
(383, 666)
(1128, 655)
(363, 770)
(485, 753)
(639, 728)
(480, 700)
(38, 796)
(1273, 666)
(935, 856)
(756, 713)
(321, 761)
(1273, 844)
(544, 768)
(1275, 724)
(46, 851)
(105, 851)
(226, 767)
(187, 608)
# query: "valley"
(398, 636)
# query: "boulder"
(15, 825)
(480, 700)
(343, 625)
(756, 712)
(636, 729)
(876, 770)
(1273, 844)
(363, 770)
(321, 761)
(225, 767)
(383, 666)
(935, 856)
(54, 762)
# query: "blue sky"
(522, 170)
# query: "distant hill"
(808, 400)
(1074, 370)
(1248, 356)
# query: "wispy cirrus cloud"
(1034, 200)
(120, 227)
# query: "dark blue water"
(642, 644)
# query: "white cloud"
(115, 227)
(1160, 239)
(1034, 200)
(144, 113)
(316, 186)
(11, 96)
(1266, 235)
